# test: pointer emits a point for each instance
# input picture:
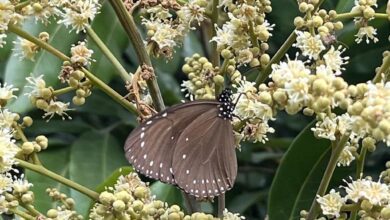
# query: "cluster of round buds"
(202, 77)
(386, 173)
(370, 110)
(77, 80)
(166, 28)
(322, 21)
(229, 68)
(66, 207)
(255, 107)
(364, 10)
(246, 32)
(40, 143)
(296, 88)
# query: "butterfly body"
(190, 145)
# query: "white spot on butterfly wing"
(149, 122)
(165, 114)
(161, 164)
(186, 139)
(143, 128)
(187, 172)
(184, 156)
(151, 163)
(142, 135)
(145, 156)
(142, 144)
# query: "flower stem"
(108, 90)
(22, 5)
(118, 66)
(214, 20)
(42, 170)
(21, 214)
(34, 156)
(114, 95)
(130, 27)
(62, 91)
(384, 69)
(314, 209)
(30, 209)
(351, 15)
(280, 53)
(15, 29)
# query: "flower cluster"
(255, 108)
(6, 14)
(65, 207)
(366, 12)
(244, 29)
(370, 197)
(130, 198)
(167, 32)
(43, 98)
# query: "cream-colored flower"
(5, 183)
(326, 128)
(7, 92)
(8, 150)
(36, 84)
(80, 14)
(2, 39)
(231, 216)
(334, 60)
(25, 49)
(331, 203)
(57, 107)
(310, 45)
(345, 158)
(7, 118)
(81, 54)
(42, 11)
(6, 12)
(368, 32)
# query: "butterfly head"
(226, 107)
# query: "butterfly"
(190, 145)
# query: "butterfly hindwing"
(204, 161)
(150, 147)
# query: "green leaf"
(45, 63)
(192, 45)
(297, 179)
(167, 193)
(94, 156)
(57, 160)
(242, 202)
(108, 28)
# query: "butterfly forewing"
(150, 147)
(204, 161)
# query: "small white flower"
(21, 185)
(36, 84)
(356, 189)
(331, 203)
(42, 11)
(7, 92)
(165, 36)
(368, 32)
(5, 183)
(326, 128)
(7, 118)
(224, 36)
(231, 216)
(193, 11)
(6, 12)
(25, 49)
(57, 107)
(310, 45)
(81, 54)
(345, 158)
(3, 205)
(334, 60)
(8, 150)
(80, 14)
(377, 193)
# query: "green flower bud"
(37, 7)
(78, 75)
(27, 121)
(378, 134)
(41, 104)
(218, 80)
(124, 196)
(308, 111)
(254, 62)
(37, 147)
(362, 89)
(78, 100)
(317, 21)
(74, 83)
(303, 7)
(264, 59)
(174, 216)
(320, 86)
(352, 90)
(80, 93)
(369, 143)
(203, 60)
(52, 213)
(137, 205)
(366, 205)
(27, 148)
(299, 22)
(385, 213)
(119, 206)
(46, 93)
(141, 192)
(280, 97)
(356, 108)
(266, 98)
(368, 12)
(338, 25)
(70, 202)
(106, 198)
(384, 125)
(27, 198)
(187, 69)
(321, 104)
(226, 54)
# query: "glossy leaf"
(112, 179)
(167, 193)
(298, 176)
(94, 156)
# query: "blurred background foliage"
(89, 148)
